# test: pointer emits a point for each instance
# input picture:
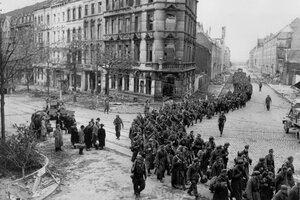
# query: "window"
(113, 26)
(54, 18)
(99, 7)
(74, 34)
(58, 35)
(121, 4)
(48, 37)
(113, 82)
(149, 50)
(99, 32)
(120, 83)
(120, 23)
(107, 5)
(150, 21)
(79, 13)
(79, 33)
(85, 30)
(136, 84)
(92, 29)
(138, 2)
(126, 83)
(137, 51)
(86, 10)
(68, 35)
(93, 8)
(63, 15)
(137, 25)
(127, 25)
(63, 35)
(48, 19)
(68, 15)
(54, 36)
(148, 85)
(106, 27)
(74, 13)
(150, 1)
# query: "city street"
(110, 169)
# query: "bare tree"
(15, 50)
(114, 63)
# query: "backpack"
(139, 168)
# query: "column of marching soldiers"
(161, 145)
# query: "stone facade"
(160, 36)
(269, 56)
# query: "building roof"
(293, 56)
(28, 9)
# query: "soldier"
(118, 122)
(139, 175)
(193, 176)
(198, 144)
(282, 194)
(267, 186)
(221, 122)
(260, 86)
(268, 102)
(217, 167)
(237, 180)
(281, 178)
(161, 162)
(295, 191)
(150, 151)
(221, 187)
(136, 147)
(178, 176)
(253, 185)
(225, 154)
(261, 166)
(106, 105)
(270, 161)
(215, 154)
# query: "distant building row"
(278, 55)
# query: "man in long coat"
(101, 136)
(178, 177)
(58, 138)
(253, 186)
(237, 180)
(88, 135)
(161, 162)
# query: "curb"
(280, 94)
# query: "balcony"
(177, 66)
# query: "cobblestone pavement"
(252, 125)
(256, 126)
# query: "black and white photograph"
(149, 100)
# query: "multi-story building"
(160, 36)
(270, 54)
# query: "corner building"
(160, 35)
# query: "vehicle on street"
(292, 121)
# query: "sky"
(245, 20)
